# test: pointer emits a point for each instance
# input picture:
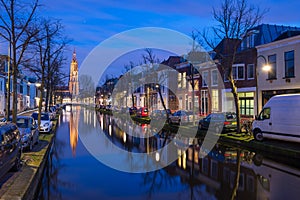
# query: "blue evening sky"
(89, 22)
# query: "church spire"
(74, 59)
(73, 81)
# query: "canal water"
(81, 167)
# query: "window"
(238, 72)
(179, 80)
(289, 64)
(272, 63)
(248, 41)
(205, 166)
(186, 102)
(214, 77)
(183, 80)
(250, 71)
(265, 114)
(196, 82)
(204, 79)
(246, 103)
(215, 100)
(214, 169)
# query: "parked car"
(29, 131)
(220, 122)
(10, 148)
(160, 114)
(46, 123)
(132, 110)
(52, 111)
(182, 116)
(142, 112)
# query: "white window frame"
(235, 68)
(205, 79)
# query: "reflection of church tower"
(73, 125)
(73, 82)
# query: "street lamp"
(265, 67)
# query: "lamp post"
(266, 67)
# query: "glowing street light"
(266, 67)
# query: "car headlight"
(46, 124)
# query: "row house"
(244, 70)
(199, 79)
(283, 77)
(26, 89)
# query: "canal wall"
(23, 185)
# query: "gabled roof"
(225, 47)
(172, 61)
(266, 33)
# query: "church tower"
(73, 82)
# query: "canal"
(81, 167)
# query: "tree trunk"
(15, 92)
(41, 98)
(237, 177)
(163, 103)
(132, 99)
(237, 105)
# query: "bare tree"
(150, 58)
(233, 18)
(48, 51)
(17, 18)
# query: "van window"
(265, 114)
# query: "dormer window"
(249, 40)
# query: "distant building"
(73, 81)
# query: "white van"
(279, 119)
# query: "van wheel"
(258, 135)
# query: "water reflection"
(73, 125)
(224, 173)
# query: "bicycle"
(247, 126)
